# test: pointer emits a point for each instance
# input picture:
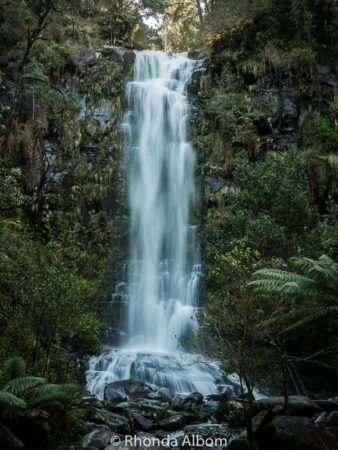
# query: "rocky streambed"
(133, 415)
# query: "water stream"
(163, 272)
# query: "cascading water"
(164, 267)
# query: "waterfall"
(164, 268)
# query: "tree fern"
(313, 292)
(22, 384)
(10, 404)
(15, 367)
(45, 394)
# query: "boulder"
(298, 405)
(142, 422)
(296, 433)
(115, 421)
(98, 436)
(186, 402)
(328, 419)
(172, 423)
(158, 395)
(92, 401)
(123, 407)
(126, 390)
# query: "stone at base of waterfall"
(172, 423)
(142, 422)
(115, 421)
(182, 402)
(106, 436)
(126, 390)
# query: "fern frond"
(48, 392)
(11, 405)
(15, 367)
(23, 383)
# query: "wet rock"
(123, 407)
(215, 183)
(115, 421)
(142, 422)
(181, 402)
(97, 443)
(158, 395)
(288, 111)
(208, 409)
(328, 419)
(172, 423)
(119, 54)
(126, 390)
(105, 436)
(92, 401)
(215, 397)
(298, 405)
(296, 433)
(189, 417)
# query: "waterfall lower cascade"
(163, 274)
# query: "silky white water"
(161, 289)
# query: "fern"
(22, 384)
(10, 404)
(49, 392)
(315, 290)
(15, 367)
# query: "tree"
(228, 329)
